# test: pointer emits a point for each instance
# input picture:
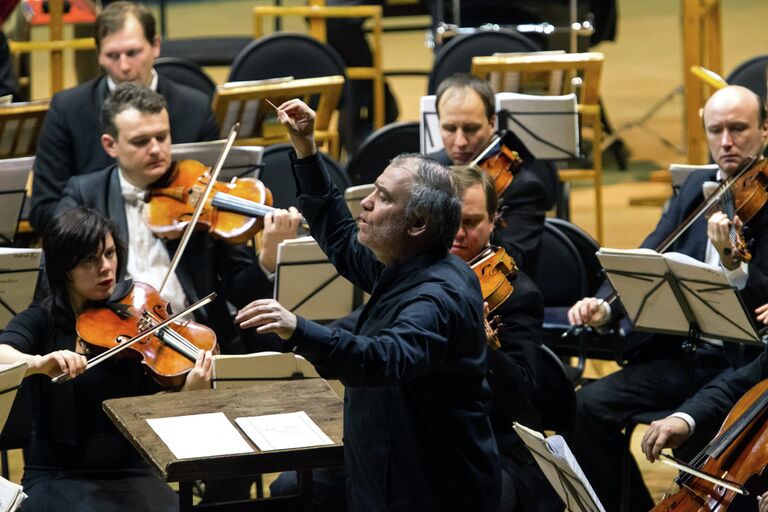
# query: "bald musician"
(660, 373)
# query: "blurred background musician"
(76, 459)
(69, 143)
(660, 374)
(466, 109)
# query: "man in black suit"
(466, 108)
(69, 143)
(513, 369)
(662, 372)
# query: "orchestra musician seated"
(69, 144)
(663, 371)
(416, 426)
(76, 459)
(466, 109)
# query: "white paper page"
(18, 276)
(559, 447)
(11, 495)
(429, 126)
(661, 310)
(557, 469)
(11, 376)
(547, 125)
(283, 431)
(305, 278)
(14, 174)
(182, 435)
(705, 287)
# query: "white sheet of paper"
(182, 435)
(283, 431)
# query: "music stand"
(242, 161)
(239, 370)
(14, 173)
(558, 464)
(354, 195)
(10, 382)
(674, 294)
(18, 277)
(308, 285)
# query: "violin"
(735, 459)
(228, 215)
(499, 162)
(495, 269)
(169, 354)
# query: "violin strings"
(185, 346)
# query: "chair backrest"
(185, 72)
(206, 51)
(456, 55)
(751, 74)
(286, 54)
(278, 178)
(20, 125)
(246, 103)
(557, 398)
(587, 247)
(559, 271)
(379, 148)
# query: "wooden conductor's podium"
(245, 102)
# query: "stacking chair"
(557, 398)
(456, 55)
(556, 74)
(751, 74)
(247, 103)
(278, 178)
(185, 72)
(379, 148)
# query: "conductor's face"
(734, 130)
(127, 56)
(382, 225)
(142, 146)
(464, 127)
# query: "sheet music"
(429, 126)
(182, 435)
(641, 276)
(14, 174)
(547, 125)
(680, 172)
(18, 277)
(238, 370)
(558, 464)
(11, 495)
(308, 285)
(11, 376)
(283, 431)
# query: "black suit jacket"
(693, 242)
(207, 265)
(70, 140)
(523, 207)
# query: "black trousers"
(605, 406)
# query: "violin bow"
(685, 468)
(496, 138)
(64, 377)
(201, 203)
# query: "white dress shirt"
(148, 259)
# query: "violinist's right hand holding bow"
(589, 311)
(52, 364)
(299, 120)
(669, 432)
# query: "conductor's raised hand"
(267, 315)
(669, 432)
(299, 120)
(55, 363)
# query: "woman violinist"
(76, 458)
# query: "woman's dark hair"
(70, 238)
